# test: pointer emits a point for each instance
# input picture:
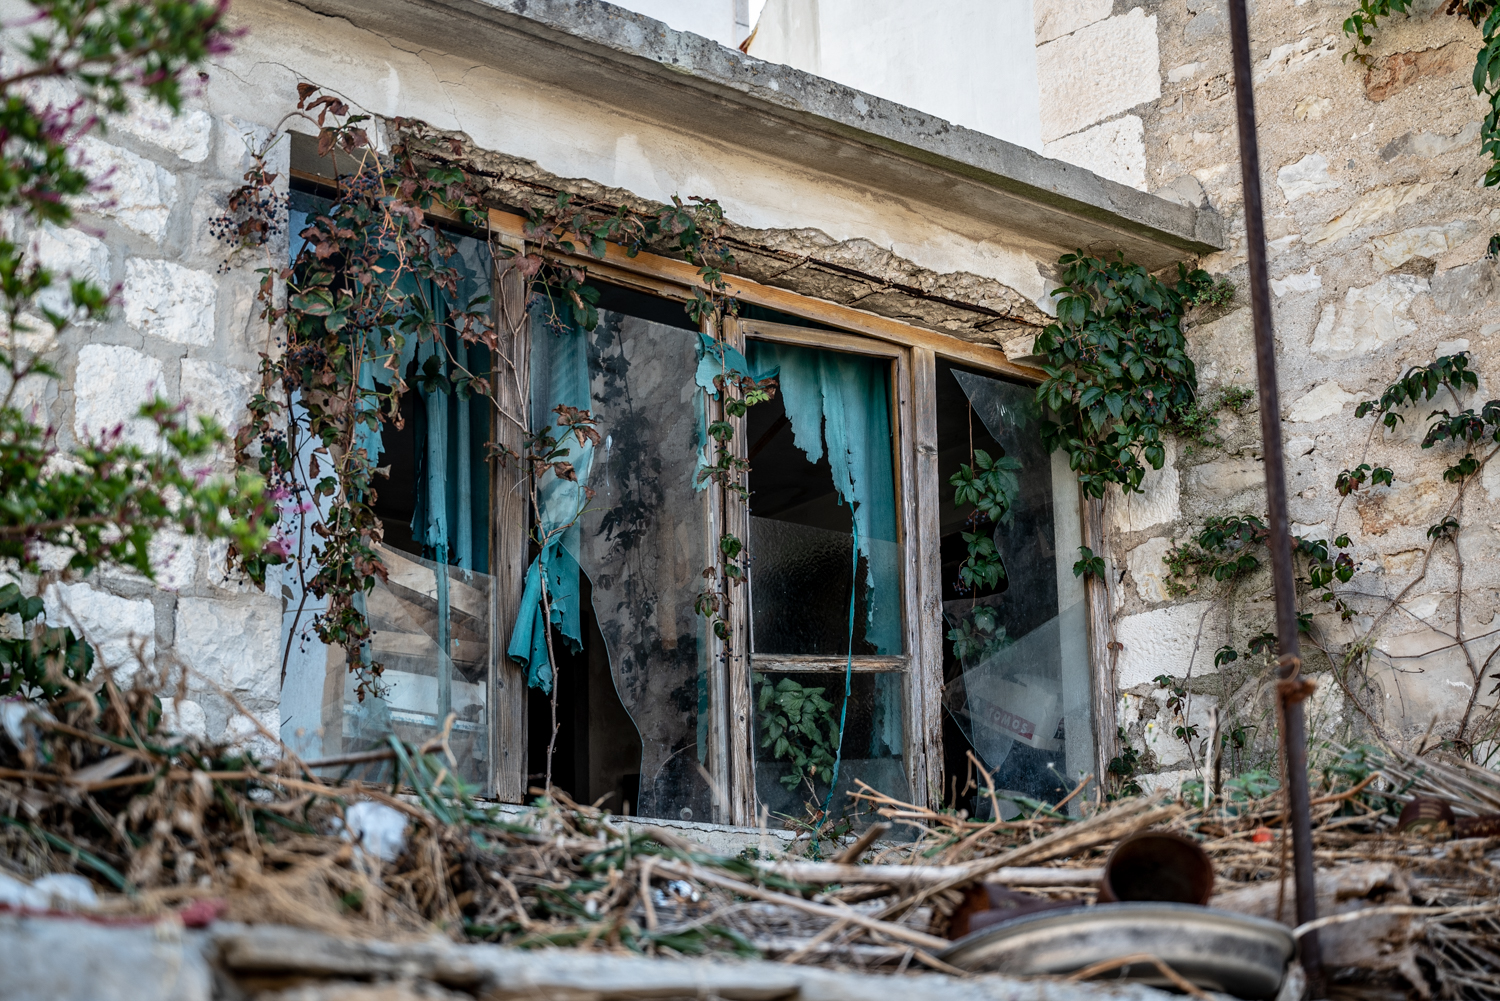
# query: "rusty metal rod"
(1294, 727)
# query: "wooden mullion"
(1101, 643)
(739, 697)
(925, 585)
(830, 664)
(510, 504)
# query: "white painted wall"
(972, 62)
(285, 43)
(725, 21)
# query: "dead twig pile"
(170, 825)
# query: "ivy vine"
(365, 287)
(1227, 550)
(1118, 372)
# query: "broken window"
(1016, 657)
(828, 631)
(628, 560)
(834, 670)
(431, 620)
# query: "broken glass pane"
(1016, 656)
(822, 486)
(644, 543)
(430, 620)
(797, 717)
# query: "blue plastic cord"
(838, 756)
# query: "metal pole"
(1294, 728)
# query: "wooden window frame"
(915, 352)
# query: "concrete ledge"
(684, 81)
(51, 958)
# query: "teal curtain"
(839, 407)
(714, 359)
(559, 377)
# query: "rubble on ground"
(172, 833)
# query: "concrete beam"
(691, 84)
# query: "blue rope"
(838, 756)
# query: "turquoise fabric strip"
(559, 377)
(716, 359)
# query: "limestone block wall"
(1096, 69)
(185, 326)
(1378, 224)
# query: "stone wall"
(1378, 224)
(186, 328)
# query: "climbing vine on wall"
(364, 289)
(1118, 372)
(1228, 551)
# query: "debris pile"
(163, 826)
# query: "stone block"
(174, 560)
(109, 386)
(170, 301)
(1415, 504)
(1185, 72)
(1293, 57)
(1472, 288)
(1306, 281)
(1371, 208)
(235, 645)
(1225, 478)
(1055, 18)
(1427, 145)
(122, 631)
(1395, 249)
(217, 391)
(1372, 317)
(1327, 400)
(184, 717)
(246, 734)
(1308, 176)
(1147, 569)
(136, 191)
(1159, 501)
(67, 959)
(1097, 72)
(68, 254)
(1389, 75)
(1116, 150)
(1312, 109)
(1185, 190)
(1210, 20)
(187, 134)
(1224, 351)
(1162, 641)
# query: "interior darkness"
(617, 299)
(807, 599)
(957, 427)
(598, 752)
(396, 477)
(783, 484)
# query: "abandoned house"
(899, 182)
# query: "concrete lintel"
(689, 83)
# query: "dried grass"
(174, 826)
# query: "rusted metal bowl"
(1157, 866)
(1217, 950)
